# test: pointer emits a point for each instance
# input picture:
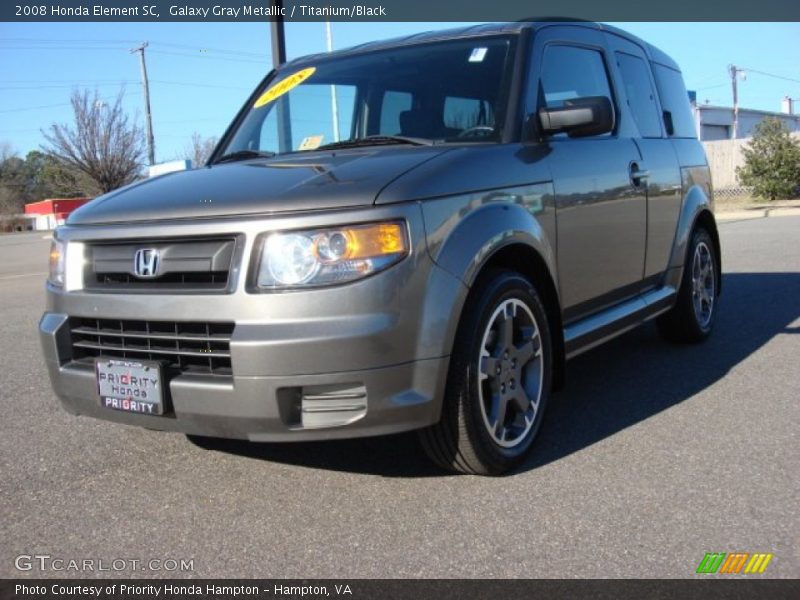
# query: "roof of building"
(768, 113)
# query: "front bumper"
(367, 358)
(287, 408)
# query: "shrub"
(771, 161)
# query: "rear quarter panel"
(697, 192)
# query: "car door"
(601, 207)
(659, 161)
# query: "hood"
(308, 181)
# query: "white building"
(716, 122)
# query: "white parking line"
(2, 277)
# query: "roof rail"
(554, 18)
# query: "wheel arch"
(510, 229)
(696, 210)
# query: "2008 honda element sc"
(406, 235)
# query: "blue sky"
(201, 73)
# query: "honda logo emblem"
(145, 263)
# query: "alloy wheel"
(703, 284)
(510, 373)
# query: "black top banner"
(397, 10)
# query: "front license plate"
(132, 386)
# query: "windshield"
(454, 90)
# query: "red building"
(52, 212)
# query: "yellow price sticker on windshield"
(283, 86)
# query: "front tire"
(498, 382)
(692, 318)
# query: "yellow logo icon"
(284, 85)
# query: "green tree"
(50, 177)
(12, 181)
(771, 161)
(36, 177)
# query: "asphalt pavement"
(653, 455)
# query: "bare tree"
(6, 151)
(200, 149)
(103, 143)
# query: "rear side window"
(675, 102)
(569, 72)
(639, 91)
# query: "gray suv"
(406, 235)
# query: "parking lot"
(652, 455)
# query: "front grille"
(188, 347)
(184, 265)
(173, 281)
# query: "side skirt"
(592, 331)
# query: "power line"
(206, 49)
(127, 82)
(204, 119)
(17, 131)
(9, 110)
(59, 40)
(711, 87)
(203, 85)
(206, 57)
(769, 74)
(50, 48)
(40, 87)
(123, 82)
(126, 42)
(83, 81)
(201, 54)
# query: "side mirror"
(579, 117)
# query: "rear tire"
(692, 318)
(499, 379)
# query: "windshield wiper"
(377, 140)
(243, 155)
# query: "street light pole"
(151, 146)
(334, 103)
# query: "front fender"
(464, 231)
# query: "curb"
(760, 213)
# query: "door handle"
(638, 175)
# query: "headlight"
(58, 259)
(329, 256)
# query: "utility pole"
(278, 36)
(734, 72)
(151, 147)
(334, 104)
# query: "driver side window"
(571, 72)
